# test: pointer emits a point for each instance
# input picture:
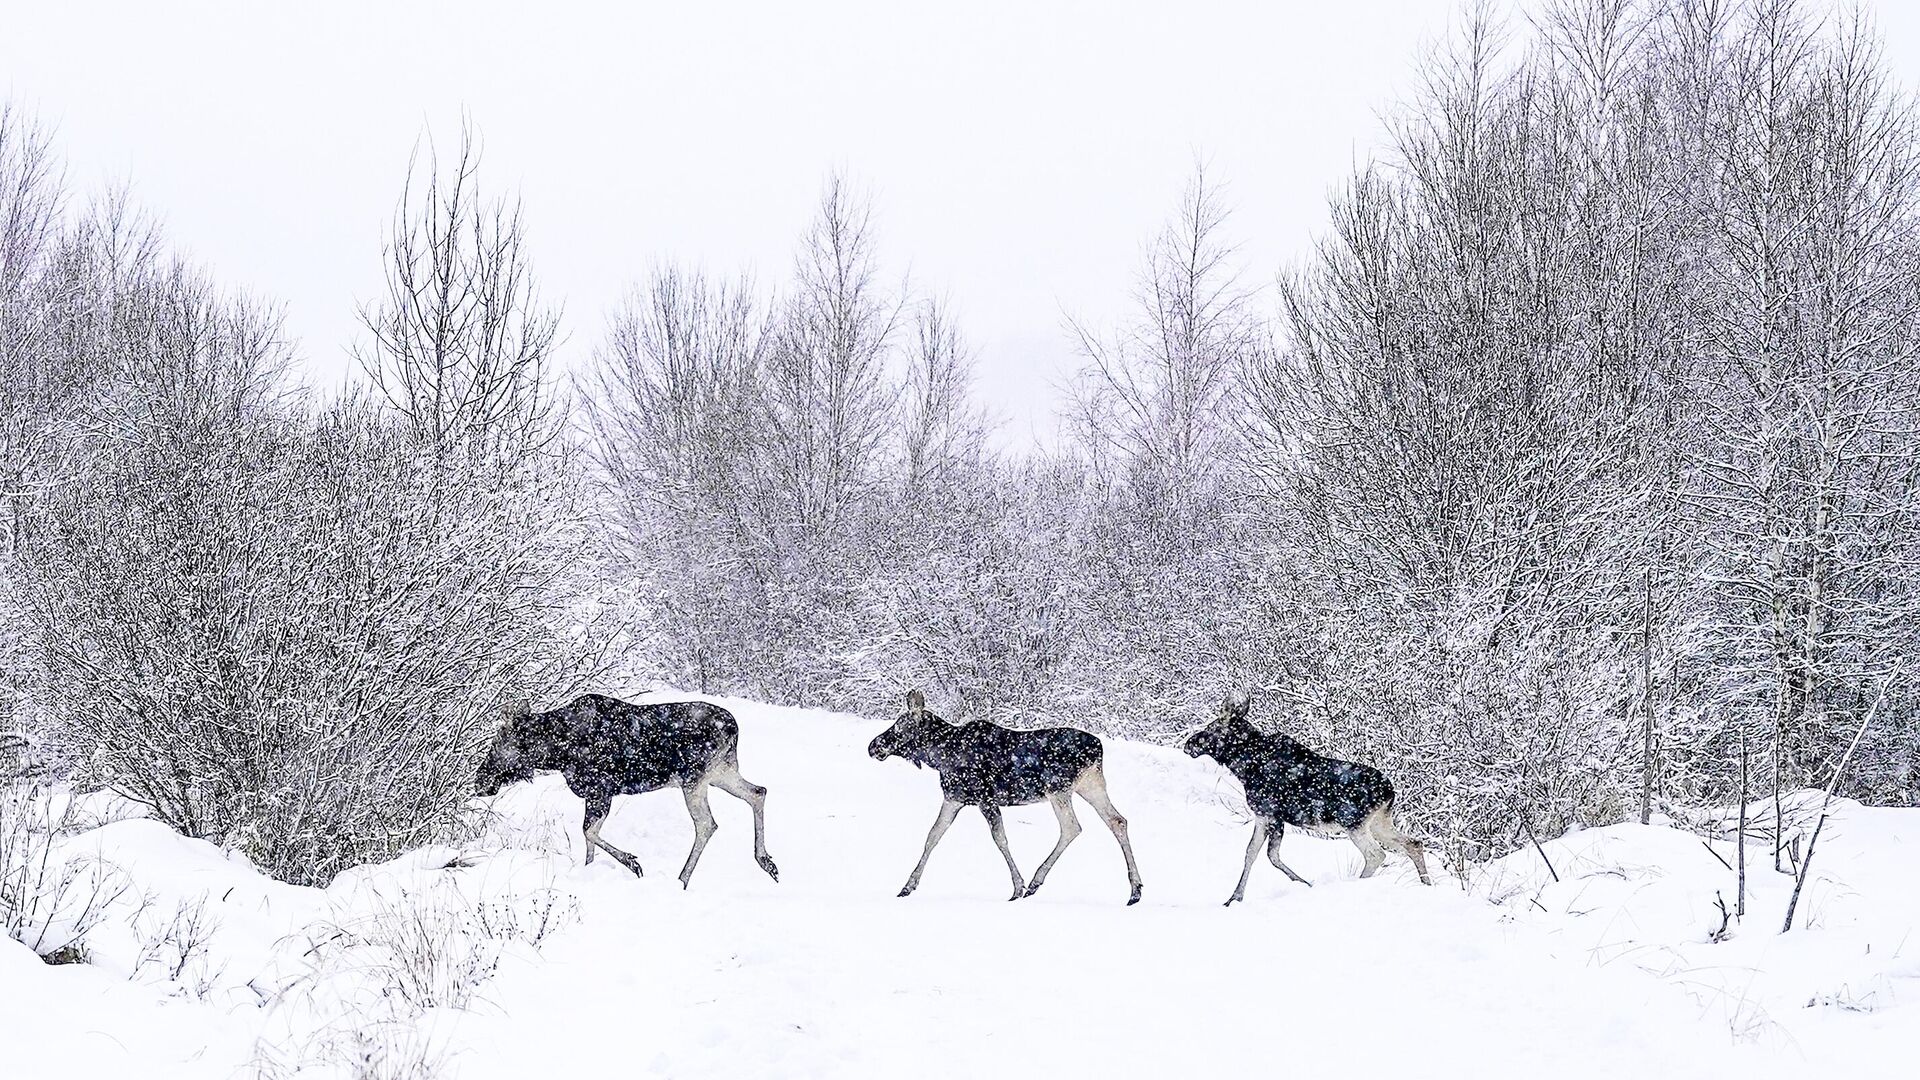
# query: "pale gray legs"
(1371, 853)
(1062, 803)
(998, 826)
(1268, 833)
(704, 825)
(1384, 833)
(597, 811)
(727, 778)
(1273, 854)
(948, 811)
(1246, 870)
(1091, 785)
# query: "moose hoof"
(1031, 889)
(772, 870)
(908, 891)
(1134, 899)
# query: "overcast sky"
(1019, 153)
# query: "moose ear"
(1235, 707)
(916, 704)
(512, 713)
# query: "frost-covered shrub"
(428, 947)
(175, 947)
(383, 1050)
(48, 900)
(368, 982)
(1482, 743)
(291, 636)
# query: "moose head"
(517, 751)
(909, 734)
(1229, 729)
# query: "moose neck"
(542, 739)
(1246, 747)
(935, 742)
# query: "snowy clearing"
(828, 974)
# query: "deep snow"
(827, 973)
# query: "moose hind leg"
(1246, 869)
(1062, 803)
(597, 810)
(1380, 823)
(1371, 853)
(1091, 784)
(997, 825)
(1273, 854)
(727, 778)
(941, 822)
(704, 825)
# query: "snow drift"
(510, 958)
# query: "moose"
(606, 747)
(985, 765)
(1288, 784)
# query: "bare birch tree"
(461, 343)
(676, 420)
(830, 394)
(1154, 404)
(942, 430)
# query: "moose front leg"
(1253, 850)
(704, 825)
(1062, 802)
(998, 826)
(948, 811)
(1273, 854)
(597, 810)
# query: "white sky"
(1020, 153)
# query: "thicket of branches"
(283, 625)
(1580, 454)
(1584, 444)
(1593, 440)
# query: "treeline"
(1577, 464)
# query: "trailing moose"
(606, 747)
(985, 765)
(1288, 784)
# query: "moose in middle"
(985, 765)
(606, 747)
(1288, 784)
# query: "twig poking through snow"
(1805, 865)
(1527, 824)
(1725, 917)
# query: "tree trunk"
(1648, 765)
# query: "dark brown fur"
(606, 747)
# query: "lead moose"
(606, 747)
(1288, 784)
(988, 766)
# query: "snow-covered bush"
(288, 636)
(49, 900)
(175, 945)
(287, 628)
(427, 947)
(394, 953)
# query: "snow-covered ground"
(521, 962)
